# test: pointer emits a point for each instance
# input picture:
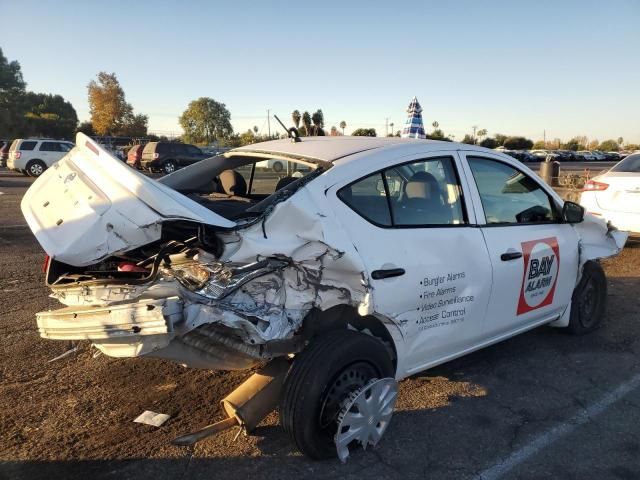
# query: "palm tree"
(255, 129)
(343, 125)
(295, 116)
(435, 125)
(306, 122)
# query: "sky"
(513, 67)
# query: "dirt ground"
(73, 418)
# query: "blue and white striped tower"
(413, 127)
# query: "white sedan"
(615, 195)
(390, 256)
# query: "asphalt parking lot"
(541, 405)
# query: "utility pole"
(544, 136)
(475, 127)
(269, 122)
(386, 127)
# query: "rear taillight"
(156, 156)
(593, 186)
(17, 155)
(45, 263)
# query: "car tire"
(35, 168)
(320, 378)
(589, 300)
(278, 167)
(169, 167)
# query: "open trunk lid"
(90, 205)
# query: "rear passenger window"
(509, 196)
(368, 199)
(424, 193)
(49, 147)
(27, 145)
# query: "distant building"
(413, 127)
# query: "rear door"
(534, 256)
(49, 152)
(427, 266)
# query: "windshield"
(629, 164)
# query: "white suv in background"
(32, 156)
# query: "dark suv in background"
(167, 157)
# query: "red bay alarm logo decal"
(541, 267)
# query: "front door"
(533, 254)
(428, 268)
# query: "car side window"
(424, 193)
(368, 199)
(27, 145)
(193, 150)
(49, 147)
(65, 147)
(508, 195)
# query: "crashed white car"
(387, 257)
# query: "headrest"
(233, 183)
(284, 181)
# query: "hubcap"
(365, 415)
(36, 169)
(169, 168)
(588, 304)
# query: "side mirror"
(572, 212)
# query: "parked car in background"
(563, 155)
(4, 152)
(615, 195)
(522, 155)
(32, 156)
(167, 157)
(134, 156)
(543, 154)
(612, 156)
(600, 156)
(586, 155)
(623, 154)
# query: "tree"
(255, 129)
(609, 146)
(247, 138)
(318, 123)
(49, 115)
(620, 141)
(295, 116)
(468, 139)
(364, 132)
(574, 144)
(12, 89)
(86, 127)
(518, 143)
(500, 138)
(206, 120)
(134, 126)
(334, 132)
(343, 125)
(593, 144)
(107, 104)
(539, 145)
(435, 125)
(437, 134)
(482, 133)
(489, 143)
(306, 122)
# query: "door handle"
(505, 257)
(388, 273)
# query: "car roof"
(330, 149)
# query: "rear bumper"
(625, 221)
(125, 323)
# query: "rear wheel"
(589, 300)
(321, 378)
(278, 167)
(169, 167)
(35, 168)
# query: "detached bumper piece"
(123, 322)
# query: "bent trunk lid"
(623, 193)
(90, 205)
